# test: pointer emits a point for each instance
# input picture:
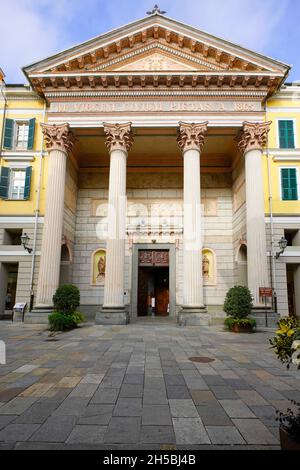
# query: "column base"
(39, 315)
(194, 316)
(112, 316)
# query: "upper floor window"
(286, 134)
(15, 183)
(19, 135)
(289, 184)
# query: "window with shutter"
(28, 173)
(289, 184)
(17, 184)
(8, 133)
(31, 130)
(4, 182)
(286, 134)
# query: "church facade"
(154, 167)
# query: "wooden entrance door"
(162, 291)
(143, 287)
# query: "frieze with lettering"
(155, 106)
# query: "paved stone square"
(134, 387)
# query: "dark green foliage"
(66, 299)
(62, 322)
(238, 302)
(230, 322)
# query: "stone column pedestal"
(251, 141)
(190, 141)
(59, 141)
(118, 141)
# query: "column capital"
(58, 137)
(191, 136)
(118, 136)
(253, 136)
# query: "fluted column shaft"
(192, 235)
(115, 247)
(118, 141)
(59, 141)
(252, 139)
(191, 140)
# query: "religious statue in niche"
(208, 267)
(205, 266)
(98, 267)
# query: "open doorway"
(9, 279)
(293, 283)
(153, 291)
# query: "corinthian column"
(251, 140)
(118, 142)
(190, 141)
(59, 141)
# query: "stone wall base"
(38, 315)
(112, 316)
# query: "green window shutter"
(8, 134)
(289, 184)
(4, 182)
(27, 182)
(31, 134)
(286, 134)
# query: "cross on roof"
(156, 9)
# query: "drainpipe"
(272, 257)
(37, 211)
(2, 87)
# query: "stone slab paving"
(134, 387)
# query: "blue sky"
(33, 29)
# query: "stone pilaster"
(59, 142)
(190, 141)
(119, 140)
(251, 140)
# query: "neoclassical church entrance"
(154, 140)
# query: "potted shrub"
(286, 343)
(238, 305)
(289, 428)
(65, 317)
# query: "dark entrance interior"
(8, 288)
(153, 283)
(290, 269)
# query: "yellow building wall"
(281, 207)
(19, 109)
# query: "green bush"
(230, 322)
(60, 322)
(66, 299)
(78, 318)
(63, 322)
(238, 302)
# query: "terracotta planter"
(287, 442)
(241, 328)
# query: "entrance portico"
(147, 156)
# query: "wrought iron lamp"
(282, 245)
(24, 241)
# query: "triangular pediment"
(155, 57)
(156, 44)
